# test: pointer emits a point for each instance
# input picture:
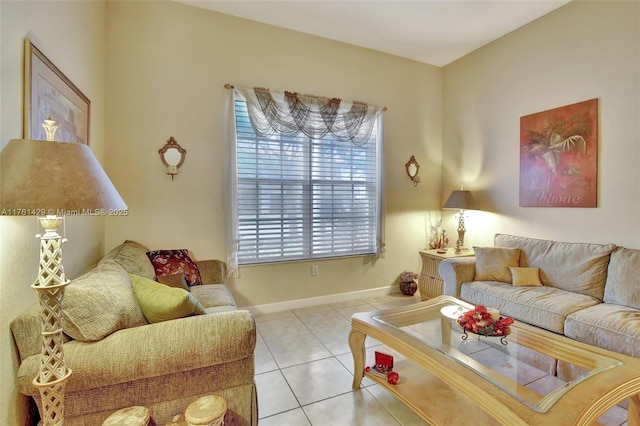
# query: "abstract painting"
(559, 157)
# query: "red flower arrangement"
(479, 321)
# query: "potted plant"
(407, 283)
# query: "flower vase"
(409, 288)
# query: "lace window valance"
(290, 113)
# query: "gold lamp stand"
(50, 287)
(461, 228)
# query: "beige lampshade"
(46, 177)
(460, 200)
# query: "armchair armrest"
(212, 271)
(153, 350)
(456, 271)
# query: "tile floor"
(295, 346)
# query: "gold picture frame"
(49, 93)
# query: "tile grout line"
(334, 356)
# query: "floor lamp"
(460, 200)
(50, 180)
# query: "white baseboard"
(320, 300)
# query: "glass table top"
(527, 365)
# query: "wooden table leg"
(633, 412)
(356, 343)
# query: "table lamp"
(460, 200)
(50, 179)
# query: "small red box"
(384, 362)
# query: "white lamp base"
(50, 287)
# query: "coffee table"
(448, 380)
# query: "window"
(302, 198)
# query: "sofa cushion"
(171, 262)
(177, 281)
(545, 307)
(99, 303)
(492, 263)
(525, 276)
(576, 267)
(214, 297)
(162, 303)
(607, 326)
(132, 256)
(623, 278)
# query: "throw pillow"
(171, 262)
(525, 276)
(623, 280)
(492, 263)
(162, 303)
(99, 303)
(177, 281)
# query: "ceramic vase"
(408, 288)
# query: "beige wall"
(584, 50)
(167, 65)
(75, 41)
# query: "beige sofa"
(590, 292)
(122, 360)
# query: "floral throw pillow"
(171, 262)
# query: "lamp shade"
(460, 200)
(54, 178)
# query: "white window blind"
(300, 198)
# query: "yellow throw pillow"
(492, 263)
(526, 277)
(162, 303)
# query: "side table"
(430, 282)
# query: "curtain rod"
(231, 86)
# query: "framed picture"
(559, 157)
(49, 93)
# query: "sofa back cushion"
(623, 278)
(576, 267)
(493, 263)
(132, 256)
(99, 303)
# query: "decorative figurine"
(458, 245)
(443, 243)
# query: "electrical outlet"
(314, 270)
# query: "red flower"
(479, 321)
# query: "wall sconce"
(172, 156)
(413, 168)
